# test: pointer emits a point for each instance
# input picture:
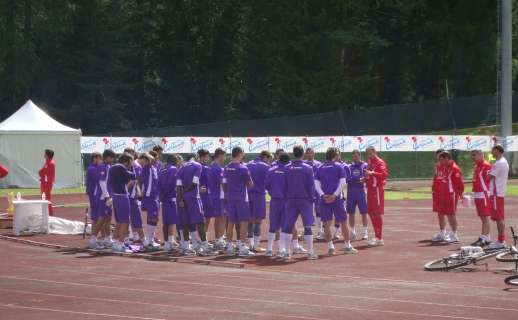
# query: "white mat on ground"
(64, 226)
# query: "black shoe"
(479, 243)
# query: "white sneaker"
(118, 248)
(365, 235)
(283, 255)
(92, 244)
(496, 245)
(299, 250)
(331, 251)
(320, 235)
(439, 237)
(350, 250)
(220, 244)
(452, 237)
(107, 243)
(336, 235)
(352, 235)
(244, 251)
(312, 256)
(375, 242)
(168, 246)
(229, 249)
(268, 253)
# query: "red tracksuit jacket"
(47, 174)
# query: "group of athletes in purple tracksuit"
(193, 195)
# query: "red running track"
(378, 283)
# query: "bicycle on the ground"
(465, 256)
(510, 255)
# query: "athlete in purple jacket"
(300, 195)
(134, 195)
(276, 186)
(190, 206)
(215, 176)
(120, 175)
(91, 184)
(167, 181)
(150, 199)
(329, 184)
(257, 198)
(356, 194)
(315, 164)
(104, 210)
(236, 180)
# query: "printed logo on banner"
(363, 144)
(286, 143)
(173, 146)
(316, 144)
(146, 145)
(201, 143)
(235, 142)
(395, 143)
(88, 145)
(106, 142)
(421, 143)
(118, 145)
(289, 143)
(346, 144)
(257, 144)
(509, 144)
(473, 143)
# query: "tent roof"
(30, 118)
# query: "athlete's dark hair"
(439, 151)
(308, 150)
(499, 148)
(356, 151)
(96, 155)
(279, 151)
(154, 154)
(265, 154)
(125, 158)
(49, 153)
(298, 151)
(445, 154)
(158, 149)
(129, 150)
(284, 158)
(108, 153)
(203, 152)
(217, 153)
(236, 151)
(331, 153)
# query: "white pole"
(506, 93)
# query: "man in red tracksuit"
(481, 180)
(47, 177)
(376, 177)
(435, 183)
(450, 188)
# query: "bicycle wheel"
(512, 280)
(507, 256)
(447, 263)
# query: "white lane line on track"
(260, 314)
(265, 279)
(17, 306)
(351, 297)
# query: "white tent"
(23, 138)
